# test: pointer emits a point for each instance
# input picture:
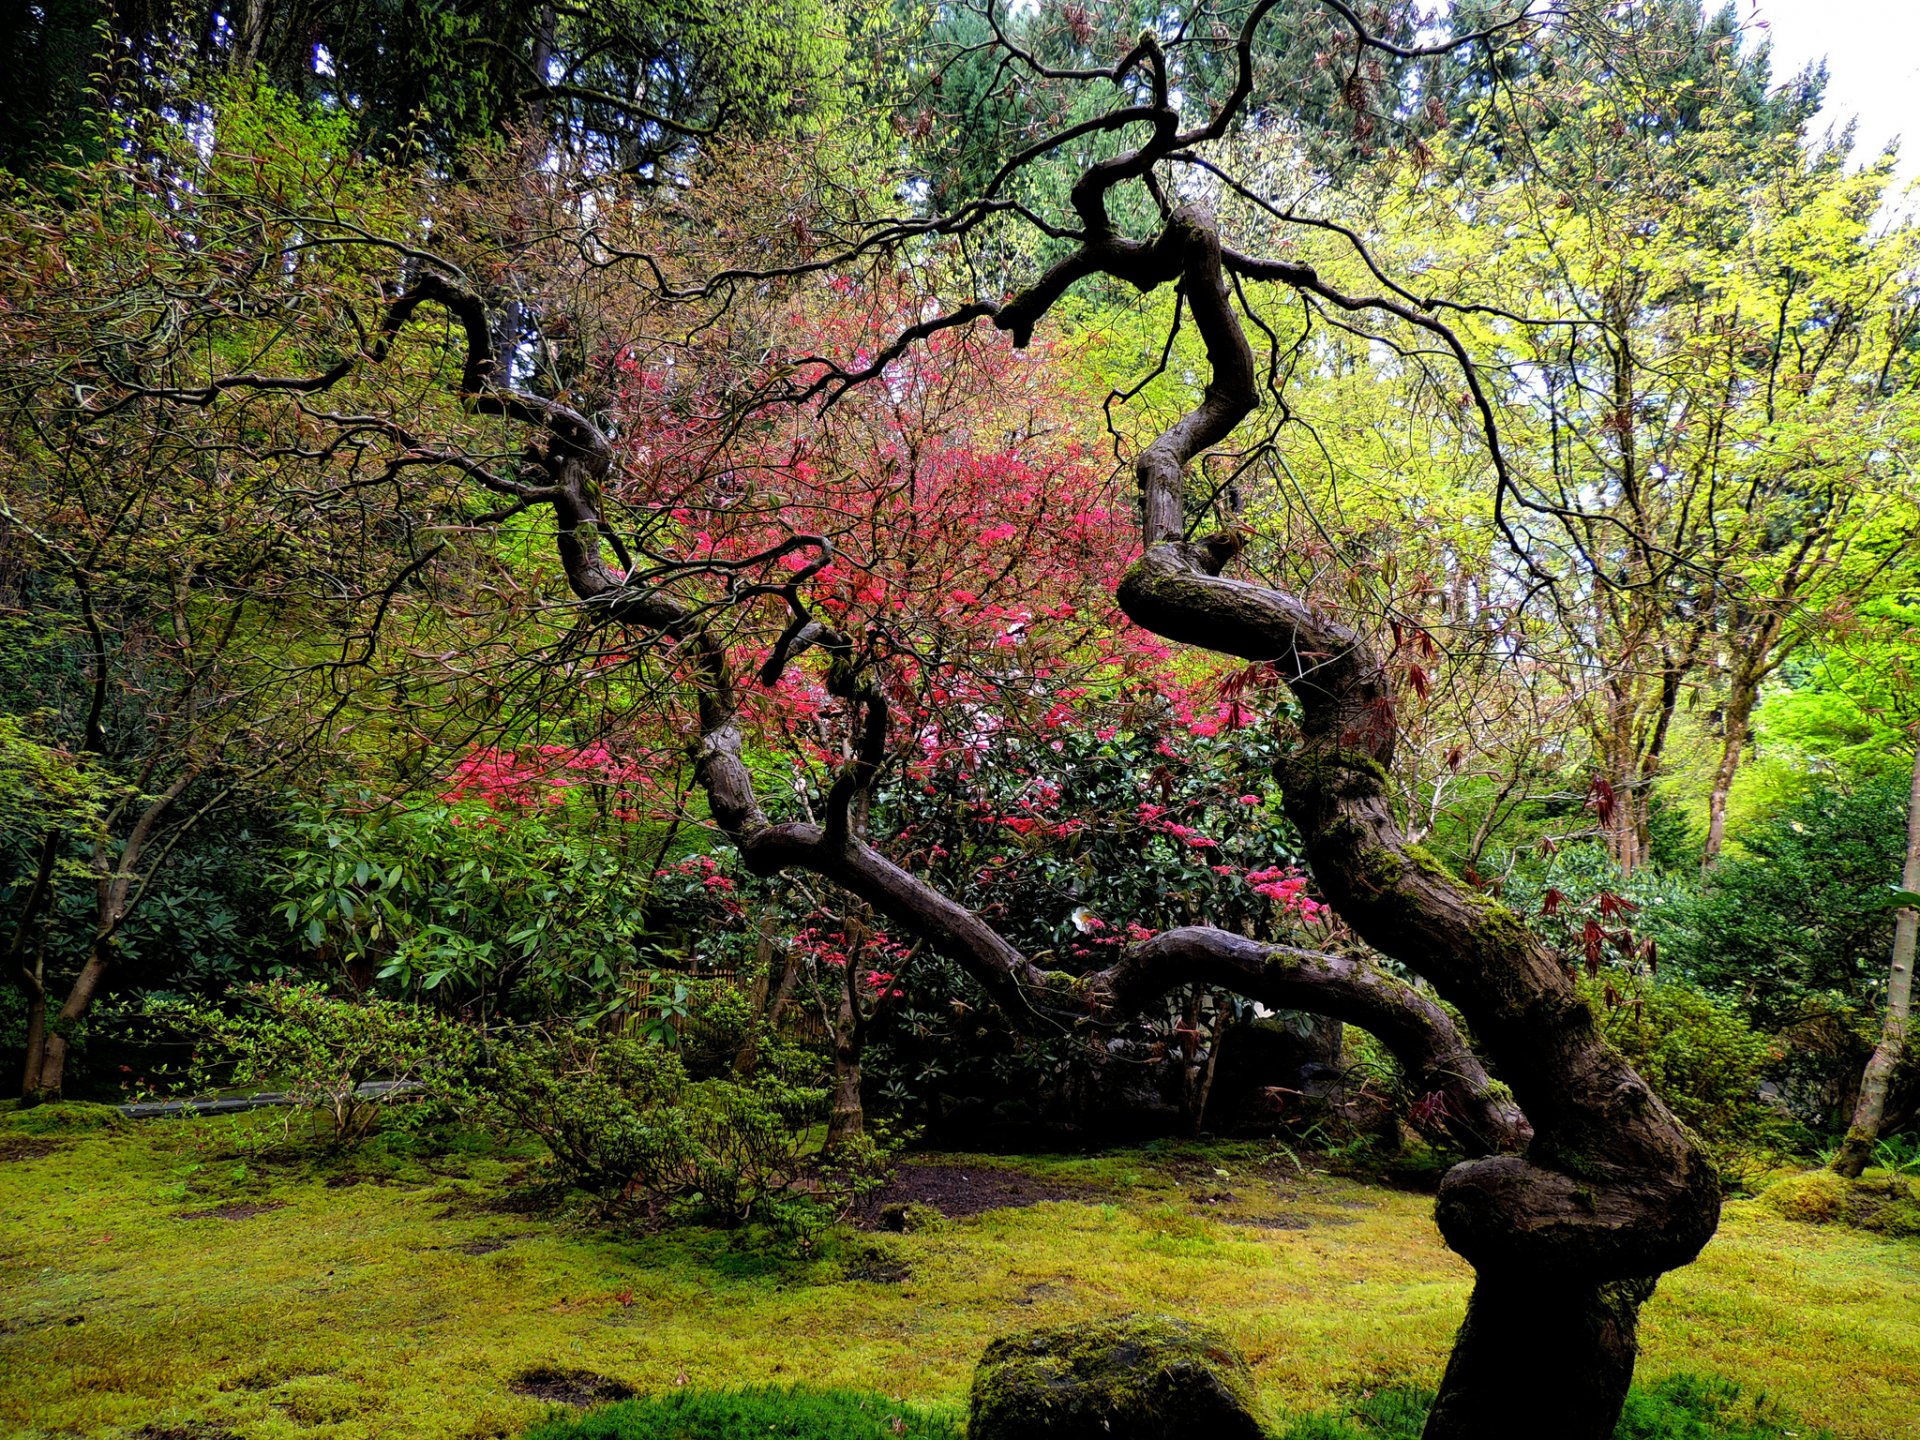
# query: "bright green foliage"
(1849, 710)
(757, 1414)
(453, 896)
(45, 787)
(320, 1050)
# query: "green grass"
(1680, 1407)
(758, 1414)
(403, 1306)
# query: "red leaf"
(1602, 800)
(1592, 938)
(1612, 906)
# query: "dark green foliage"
(1797, 923)
(1796, 930)
(1073, 843)
(46, 50)
(623, 1121)
(627, 84)
(764, 1414)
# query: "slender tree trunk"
(115, 896)
(30, 1091)
(30, 937)
(847, 1120)
(1740, 702)
(58, 1042)
(1871, 1109)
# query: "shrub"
(758, 1414)
(1699, 1055)
(322, 1050)
(623, 1120)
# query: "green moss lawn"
(391, 1295)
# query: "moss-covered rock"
(64, 1117)
(1144, 1377)
(1886, 1206)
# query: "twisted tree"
(1583, 1188)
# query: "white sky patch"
(1872, 50)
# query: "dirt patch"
(490, 1246)
(344, 1182)
(244, 1211)
(957, 1191)
(27, 1147)
(1271, 1222)
(192, 1430)
(878, 1267)
(568, 1387)
(1041, 1290)
(1216, 1197)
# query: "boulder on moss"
(63, 1117)
(1144, 1377)
(1886, 1206)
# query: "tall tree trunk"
(1871, 1109)
(30, 938)
(115, 895)
(30, 1091)
(847, 1120)
(1741, 699)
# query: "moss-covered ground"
(150, 1277)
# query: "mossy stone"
(1144, 1377)
(65, 1117)
(1819, 1197)
(1886, 1206)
